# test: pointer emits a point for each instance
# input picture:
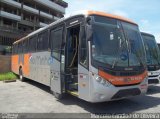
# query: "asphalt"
(32, 97)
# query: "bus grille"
(153, 68)
(123, 73)
(153, 76)
(153, 81)
(126, 93)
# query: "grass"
(7, 76)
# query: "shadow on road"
(121, 106)
(39, 85)
(153, 90)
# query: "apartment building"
(20, 17)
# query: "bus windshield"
(116, 43)
(151, 50)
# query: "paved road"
(29, 97)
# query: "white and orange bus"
(92, 55)
(153, 58)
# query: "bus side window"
(42, 42)
(83, 48)
(25, 46)
(19, 47)
(29, 46)
(32, 44)
(13, 49)
(56, 41)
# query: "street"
(32, 97)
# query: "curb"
(8, 81)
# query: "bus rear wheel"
(21, 75)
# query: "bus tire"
(58, 96)
(21, 78)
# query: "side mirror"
(89, 32)
(88, 20)
(111, 36)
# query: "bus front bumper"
(101, 93)
(153, 77)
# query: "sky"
(146, 13)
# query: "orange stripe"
(14, 63)
(123, 80)
(110, 15)
(26, 64)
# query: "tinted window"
(56, 40)
(20, 47)
(15, 48)
(42, 42)
(152, 51)
(105, 20)
(83, 48)
(25, 46)
(32, 43)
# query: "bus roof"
(86, 13)
(147, 34)
(110, 15)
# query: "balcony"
(10, 31)
(51, 5)
(43, 14)
(30, 9)
(62, 3)
(42, 24)
(10, 16)
(56, 18)
(12, 3)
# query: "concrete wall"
(5, 63)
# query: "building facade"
(20, 17)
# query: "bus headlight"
(98, 79)
(102, 81)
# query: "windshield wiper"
(139, 59)
(155, 57)
(129, 51)
(121, 46)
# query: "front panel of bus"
(153, 59)
(116, 60)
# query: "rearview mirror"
(111, 36)
(88, 20)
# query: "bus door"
(57, 60)
(71, 55)
(76, 59)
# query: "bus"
(153, 58)
(92, 55)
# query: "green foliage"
(7, 76)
